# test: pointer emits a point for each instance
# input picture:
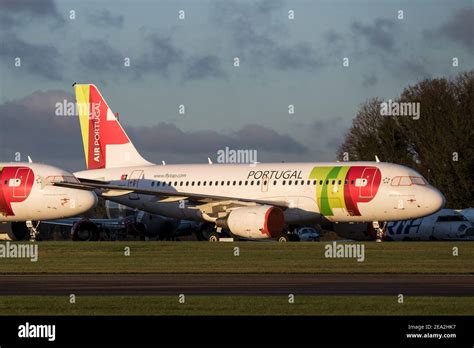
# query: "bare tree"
(439, 144)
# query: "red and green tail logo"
(99, 126)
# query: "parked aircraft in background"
(307, 234)
(468, 213)
(253, 201)
(447, 224)
(123, 223)
(27, 196)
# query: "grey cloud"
(332, 37)
(6, 21)
(105, 18)
(161, 56)
(33, 7)
(297, 56)
(19, 12)
(417, 69)
(459, 28)
(256, 35)
(168, 138)
(267, 139)
(330, 132)
(30, 126)
(98, 55)
(37, 59)
(203, 67)
(379, 34)
(369, 80)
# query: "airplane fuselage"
(337, 191)
(26, 193)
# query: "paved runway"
(237, 284)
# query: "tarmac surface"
(237, 284)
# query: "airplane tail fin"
(106, 145)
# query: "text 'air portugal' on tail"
(106, 145)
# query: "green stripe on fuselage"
(326, 197)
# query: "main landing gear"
(379, 230)
(33, 229)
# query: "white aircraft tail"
(106, 145)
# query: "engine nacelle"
(14, 231)
(157, 226)
(140, 223)
(259, 222)
(118, 211)
(85, 230)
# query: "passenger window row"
(250, 183)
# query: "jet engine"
(14, 231)
(142, 224)
(85, 230)
(258, 222)
(157, 226)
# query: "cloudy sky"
(283, 61)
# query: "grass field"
(235, 305)
(254, 257)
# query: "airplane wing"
(71, 221)
(108, 190)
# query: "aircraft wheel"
(85, 231)
(214, 237)
(20, 231)
(283, 238)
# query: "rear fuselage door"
(265, 183)
(133, 180)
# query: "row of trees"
(439, 144)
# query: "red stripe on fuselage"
(14, 191)
(354, 194)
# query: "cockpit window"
(408, 181)
(449, 218)
(418, 180)
(405, 181)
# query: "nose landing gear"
(33, 228)
(379, 230)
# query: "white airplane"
(27, 194)
(446, 224)
(256, 200)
